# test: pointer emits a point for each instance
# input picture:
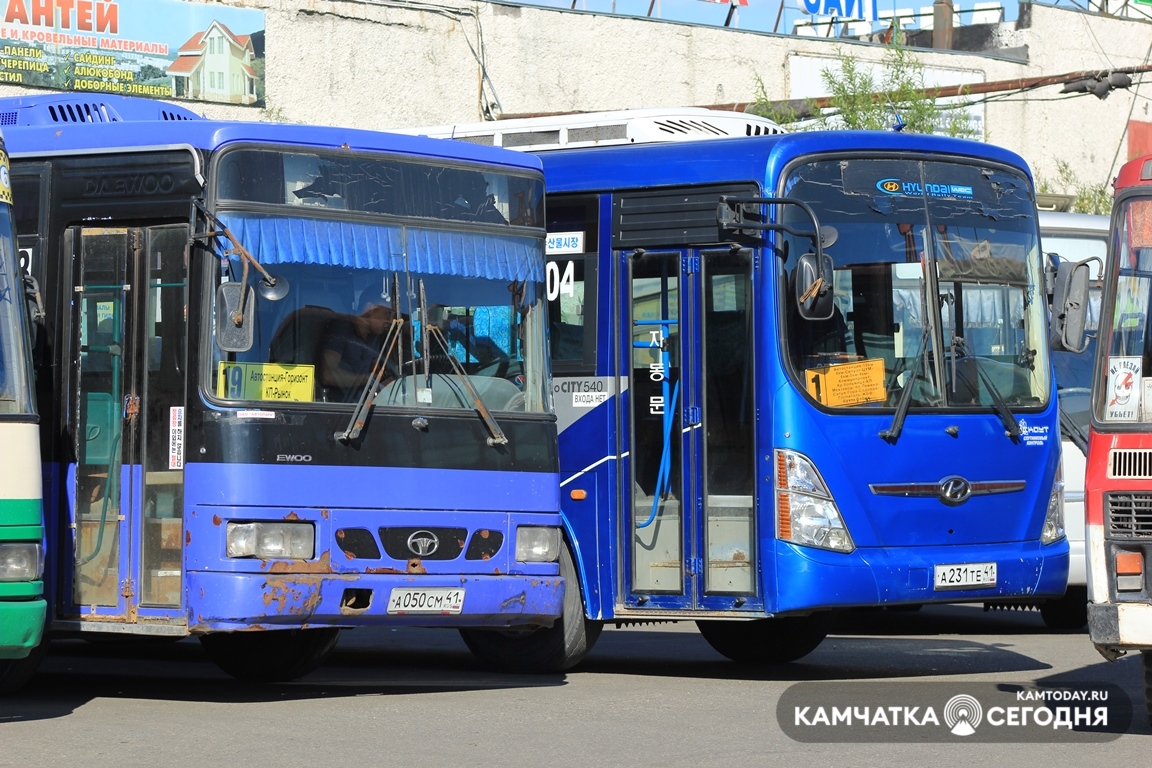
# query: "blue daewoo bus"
(294, 380)
(799, 373)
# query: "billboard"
(167, 49)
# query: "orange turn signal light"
(1129, 563)
(578, 494)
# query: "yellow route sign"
(855, 383)
(266, 381)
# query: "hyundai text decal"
(916, 189)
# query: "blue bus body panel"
(232, 593)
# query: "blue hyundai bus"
(795, 374)
(295, 380)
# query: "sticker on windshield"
(895, 186)
(845, 384)
(1124, 388)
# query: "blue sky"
(173, 22)
(759, 15)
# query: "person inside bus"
(350, 348)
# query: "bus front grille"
(1128, 515)
(1133, 464)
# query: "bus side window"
(571, 286)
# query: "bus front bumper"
(236, 601)
(21, 627)
(811, 578)
(1120, 626)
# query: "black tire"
(767, 641)
(14, 673)
(1147, 684)
(1069, 612)
(270, 656)
(546, 649)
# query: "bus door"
(690, 484)
(126, 397)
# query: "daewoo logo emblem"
(423, 543)
(954, 490)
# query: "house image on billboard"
(215, 65)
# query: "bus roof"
(752, 158)
(1133, 172)
(93, 137)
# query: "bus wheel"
(14, 673)
(767, 641)
(270, 656)
(1069, 612)
(547, 649)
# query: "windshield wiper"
(498, 437)
(892, 434)
(373, 385)
(1011, 428)
(376, 375)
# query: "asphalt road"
(655, 695)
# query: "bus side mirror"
(1069, 308)
(813, 283)
(230, 335)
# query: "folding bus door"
(689, 489)
(126, 385)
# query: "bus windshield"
(346, 234)
(937, 285)
(1128, 354)
(15, 389)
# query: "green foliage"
(860, 101)
(1090, 198)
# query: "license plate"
(432, 600)
(965, 576)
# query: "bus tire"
(1069, 612)
(1147, 657)
(766, 641)
(545, 649)
(270, 656)
(14, 673)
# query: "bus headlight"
(537, 544)
(268, 541)
(806, 513)
(1053, 529)
(21, 562)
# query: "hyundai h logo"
(954, 490)
(423, 543)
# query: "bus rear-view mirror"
(814, 298)
(1068, 332)
(235, 325)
